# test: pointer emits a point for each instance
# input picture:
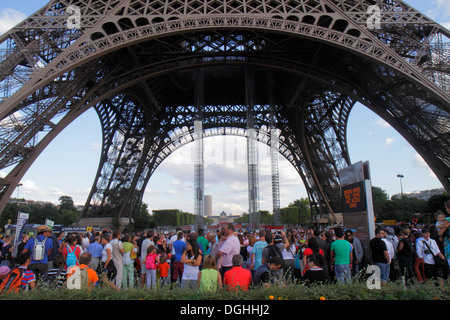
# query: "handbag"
(439, 262)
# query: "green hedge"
(355, 291)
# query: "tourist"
(92, 277)
(24, 239)
(28, 280)
(213, 244)
(4, 270)
(56, 276)
(229, 248)
(192, 259)
(209, 279)
(151, 261)
(172, 238)
(179, 247)
(148, 241)
(128, 262)
(263, 275)
(163, 267)
(106, 263)
(96, 249)
(357, 251)
(312, 248)
(380, 254)
(202, 241)
(251, 242)
(70, 246)
(341, 257)
(258, 247)
(425, 249)
(117, 257)
(55, 250)
(418, 265)
(237, 277)
(315, 273)
(6, 251)
(39, 262)
(288, 254)
(405, 253)
(275, 250)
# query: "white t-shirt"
(104, 253)
(190, 272)
(116, 245)
(288, 253)
(421, 248)
(145, 244)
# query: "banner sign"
(22, 219)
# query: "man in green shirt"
(341, 257)
(202, 242)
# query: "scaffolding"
(252, 153)
(274, 147)
(199, 174)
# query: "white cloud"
(30, 188)
(380, 122)
(10, 18)
(389, 141)
(57, 192)
(418, 161)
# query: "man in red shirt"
(237, 277)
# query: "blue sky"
(68, 166)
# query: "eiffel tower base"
(104, 223)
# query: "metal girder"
(135, 62)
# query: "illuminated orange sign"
(353, 198)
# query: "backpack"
(39, 249)
(13, 281)
(78, 279)
(71, 259)
(150, 262)
(274, 251)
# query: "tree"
(66, 203)
(379, 197)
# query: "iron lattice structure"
(151, 68)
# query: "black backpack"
(274, 251)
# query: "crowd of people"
(224, 259)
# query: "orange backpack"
(12, 282)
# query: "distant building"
(223, 218)
(208, 205)
(423, 195)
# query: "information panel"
(353, 198)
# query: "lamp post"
(401, 186)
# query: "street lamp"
(18, 187)
(401, 186)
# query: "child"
(150, 265)
(442, 225)
(163, 268)
(209, 279)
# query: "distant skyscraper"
(208, 205)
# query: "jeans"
(128, 276)
(151, 278)
(343, 273)
(384, 270)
